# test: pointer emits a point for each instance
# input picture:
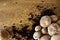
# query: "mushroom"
(36, 35)
(37, 28)
(55, 37)
(58, 22)
(54, 17)
(39, 39)
(4, 35)
(45, 37)
(44, 31)
(53, 29)
(45, 21)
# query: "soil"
(21, 16)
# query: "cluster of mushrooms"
(49, 28)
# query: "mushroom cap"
(55, 37)
(45, 21)
(44, 31)
(54, 17)
(36, 35)
(58, 22)
(45, 37)
(53, 29)
(4, 35)
(37, 28)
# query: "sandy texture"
(12, 11)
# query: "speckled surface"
(18, 11)
(12, 11)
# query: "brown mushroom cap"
(4, 35)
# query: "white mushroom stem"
(45, 21)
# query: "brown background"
(12, 11)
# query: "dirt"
(24, 13)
